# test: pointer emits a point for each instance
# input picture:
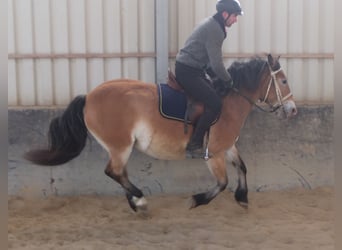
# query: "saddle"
(175, 104)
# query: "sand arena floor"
(295, 219)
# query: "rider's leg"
(195, 144)
(194, 83)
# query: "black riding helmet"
(231, 6)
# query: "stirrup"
(198, 154)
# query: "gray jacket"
(204, 49)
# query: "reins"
(254, 103)
(280, 98)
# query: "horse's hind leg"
(217, 167)
(117, 171)
(242, 189)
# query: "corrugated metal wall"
(61, 48)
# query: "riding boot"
(195, 149)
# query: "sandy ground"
(297, 219)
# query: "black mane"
(247, 74)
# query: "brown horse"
(123, 114)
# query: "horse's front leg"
(217, 167)
(242, 190)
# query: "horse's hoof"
(192, 203)
(243, 204)
(137, 204)
(241, 196)
(140, 203)
(142, 208)
(143, 212)
(199, 199)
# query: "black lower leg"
(205, 198)
(241, 195)
(242, 190)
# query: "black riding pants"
(197, 86)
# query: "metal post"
(162, 47)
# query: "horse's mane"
(247, 74)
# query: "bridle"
(280, 98)
(273, 80)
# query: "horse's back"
(120, 92)
(119, 87)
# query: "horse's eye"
(284, 81)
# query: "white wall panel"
(279, 27)
(62, 48)
(112, 37)
(23, 21)
(147, 70)
(24, 44)
(94, 38)
(295, 45)
(173, 27)
(327, 94)
(185, 16)
(201, 10)
(146, 40)
(62, 81)
(44, 83)
(10, 35)
(59, 26)
(326, 25)
(311, 23)
(11, 66)
(130, 33)
(26, 79)
(326, 45)
(60, 44)
(41, 35)
(42, 44)
(78, 44)
(246, 25)
(146, 26)
(12, 83)
(262, 26)
(311, 39)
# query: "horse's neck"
(237, 107)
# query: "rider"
(203, 51)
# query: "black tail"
(67, 137)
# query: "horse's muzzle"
(289, 108)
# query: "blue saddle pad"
(172, 103)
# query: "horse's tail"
(67, 136)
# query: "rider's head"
(229, 9)
(230, 6)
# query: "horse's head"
(276, 90)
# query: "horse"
(123, 114)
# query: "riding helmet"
(231, 6)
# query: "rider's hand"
(222, 87)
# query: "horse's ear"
(270, 59)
